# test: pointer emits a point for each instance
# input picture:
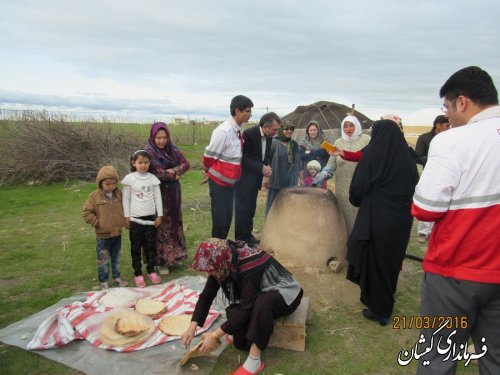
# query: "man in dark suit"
(255, 165)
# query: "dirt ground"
(326, 288)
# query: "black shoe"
(370, 315)
(252, 241)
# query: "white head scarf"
(357, 129)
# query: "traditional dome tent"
(329, 116)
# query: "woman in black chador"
(382, 187)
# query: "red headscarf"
(215, 255)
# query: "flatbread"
(195, 352)
(108, 334)
(175, 325)
(150, 307)
(118, 297)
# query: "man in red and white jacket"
(222, 164)
(460, 191)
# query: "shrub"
(41, 149)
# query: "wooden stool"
(290, 331)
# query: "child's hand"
(158, 221)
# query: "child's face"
(161, 139)
(108, 185)
(141, 164)
(313, 172)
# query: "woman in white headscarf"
(352, 140)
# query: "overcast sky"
(190, 57)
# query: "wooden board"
(290, 331)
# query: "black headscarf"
(387, 163)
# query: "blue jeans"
(106, 248)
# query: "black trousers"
(245, 204)
(222, 201)
(143, 236)
(268, 306)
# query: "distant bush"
(41, 149)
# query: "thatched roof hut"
(329, 116)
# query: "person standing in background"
(382, 187)
(168, 164)
(255, 162)
(285, 161)
(222, 164)
(441, 123)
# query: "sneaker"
(139, 281)
(422, 238)
(155, 279)
(120, 282)
(104, 285)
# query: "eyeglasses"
(453, 103)
(289, 128)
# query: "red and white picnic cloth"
(82, 320)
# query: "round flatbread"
(175, 325)
(131, 322)
(118, 297)
(150, 307)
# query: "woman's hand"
(127, 223)
(187, 336)
(336, 152)
(209, 342)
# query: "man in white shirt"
(460, 191)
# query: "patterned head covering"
(394, 118)
(163, 158)
(215, 255)
(357, 128)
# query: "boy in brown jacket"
(104, 211)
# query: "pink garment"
(308, 180)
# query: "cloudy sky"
(190, 57)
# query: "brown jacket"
(103, 213)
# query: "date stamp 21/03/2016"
(429, 322)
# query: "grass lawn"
(47, 253)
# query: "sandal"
(139, 281)
(120, 282)
(243, 371)
(155, 279)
